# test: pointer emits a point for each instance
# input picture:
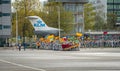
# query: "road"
(93, 59)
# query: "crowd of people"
(100, 43)
(58, 43)
(72, 42)
(54, 45)
(75, 40)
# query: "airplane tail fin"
(37, 22)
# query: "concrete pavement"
(93, 59)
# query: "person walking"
(19, 46)
(38, 45)
(24, 46)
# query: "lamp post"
(59, 20)
(83, 31)
(24, 25)
(16, 27)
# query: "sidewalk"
(3, 48)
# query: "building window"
(0, 2)
(0, 27)
(6, 2)
(118, 19)
(5, 14)
(6, 27)
(0, 14)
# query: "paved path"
(94, 59)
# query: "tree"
(111, 21)
(100, 19)
(24, 8)
(89, 16)
(66, 17)
(99, 24)
(49, 14)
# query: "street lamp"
(16, 27)
(83, 22)
(59, 20)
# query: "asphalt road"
(93, 59)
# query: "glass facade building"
(5, 21)
(76, 7)
(113, 6)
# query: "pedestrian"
(24, 46)
(38, 45)
(79, 44)
(19, 46)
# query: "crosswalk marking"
(38, 69)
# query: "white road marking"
(38, 69)
(98, 54)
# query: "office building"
(5, 21)
(113, 6)
(76, 7)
